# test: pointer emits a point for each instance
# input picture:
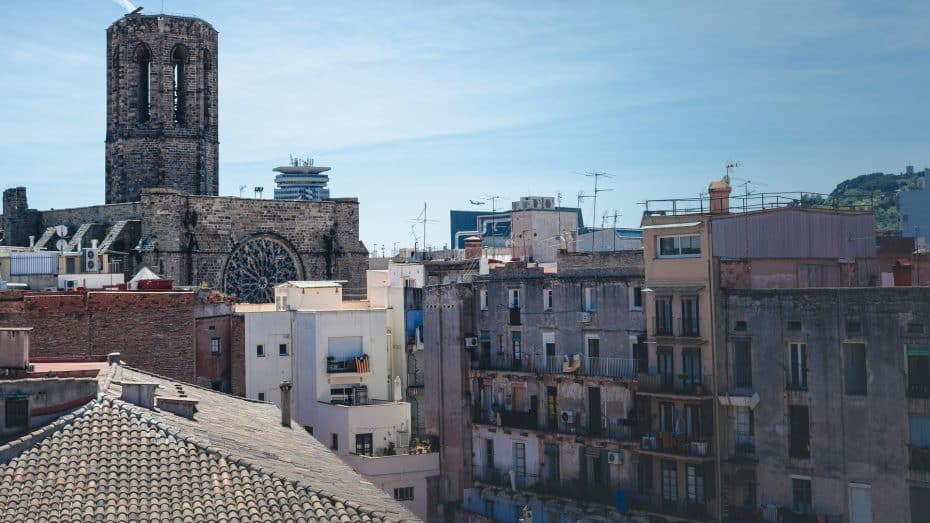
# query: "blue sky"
(449, 101)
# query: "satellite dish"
(61, 245)
(61, 230)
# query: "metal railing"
(508, 479)
(582, 366)
(663, 326)
(512, 419)
(677, 507)
(742, 377)
(744, 447)
(352, 364)
(577, 490)
(682, 445)
(689, 327)
(918, 390)
(753, 202)
(684, 384)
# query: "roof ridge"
(13, 448)
(137, 412)
(186, 384)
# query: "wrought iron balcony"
(678, 507)
(682, 384)
(681, 444)
(583, 366)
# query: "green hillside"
(877, 190)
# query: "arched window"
(178, 57)
(144, 61)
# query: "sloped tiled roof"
(114, 461)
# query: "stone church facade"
(162, 208)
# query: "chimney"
(32, 241)
(720, 196)
(113, 358)
(93, 244)
(139, 393)
(286, 403)
(472, 248)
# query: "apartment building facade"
(546, 361)
(687, 398)
(333, 355)
(820, 421)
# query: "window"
(17, 412)
(669, 481)
(741, 326)
(853, 328)
(743, 424)
(915, 328)
(282, 349)
(483, 299)
(695, 477)
(797, 372)
(363, 444)
(489, 454)
(215, 346)
(799, 442)
(514, 300)
(69, 265)
(594, 347)
(918, 371)
(548, 339)
(261, 396)
(403, 494)
(679, 246)
(690, 322)
(281, 302)
(334, 443)
(663, 317)
(742, 364)
(178, 58)
(551, 453)
(260, 351)
(794, 326)
(691, 367)
(144, 59)
(666, 417)
(856, 375)
(801, 495)
(516, 345)
(636, 298)
(590, 299)
(547, 299)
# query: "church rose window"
(256, 265)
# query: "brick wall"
(237, 354)
(152, 331)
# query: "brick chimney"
(720, 196)
(286, 403)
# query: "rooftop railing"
(755, 202)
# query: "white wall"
(265, 374)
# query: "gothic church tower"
(161, 106)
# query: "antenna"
(732, 165)
(422, 219)
(597, 176)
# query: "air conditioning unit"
(471, 342)
(91, 260)
(615, 457)
(570, 419)
(584, 317)
(71, 285)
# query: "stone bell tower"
(161, 106)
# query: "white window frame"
(547, 299)
(590, 299)
(483, 299)
(677, 242)
(215, 346)
(513, 298)
(632, 293)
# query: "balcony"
(744, 450)
(680, 508)
(621, 368)
(354, 364)
(663, 327)
(505, 362)
(697, 385)
(577, 490)
(508, 419)
(918, 389)
(508, 479)
(666, 443)
(742, 381)
(603, 431)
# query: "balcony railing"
(507, 478)
(744, 448)
(920, 458)
(663, 327)
(684, 384)
(681, 445)
(582, 366)
(577, 490)
(689, 328)
(918, 390)
(679, 507)
(742, 378)
(516, 420)
(358, 364)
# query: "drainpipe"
(712, 297)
